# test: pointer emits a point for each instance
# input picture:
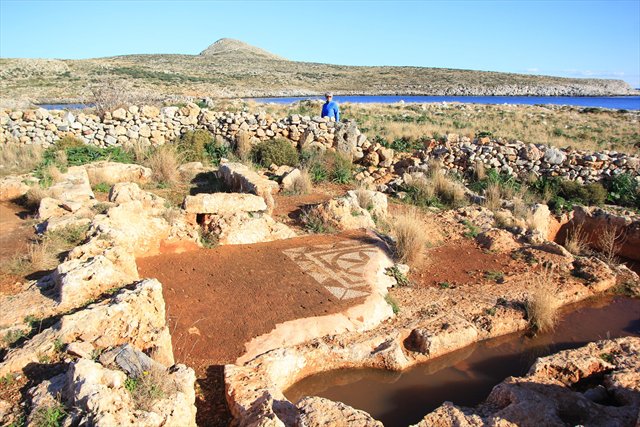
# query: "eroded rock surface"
(598, 384)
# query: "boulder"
(245, 228)
(149, 111)
(342, 213)
(129, 192)
(374, 202)
(240, 178)
(135, 316)
(554, 156)
(223, 203)
(320, 412)
(13, 187)
(450, 333)
(497, 240)
(113, 172)
(73, 186)
(289, 180)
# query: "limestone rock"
(319, 412)
(342, 213)
(554, 156)
(149, 111)
(240, 178)
(129, 192)
(135, 316)
(497, 240)
(246, 228)
(374, 202)
(451, 333)
(74, 186)
(13, 187)
(223, 203)
(113, 172)
(289, 180)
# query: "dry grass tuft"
(39, 256)
(480, 171)
(153, 385)
(302, 183)
(541, 304)
(19, 158)
(410, 238)
(243, 146)
(576, 240)
(610, 242)
(164, 163)
(493, 197)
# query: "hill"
(230, 68)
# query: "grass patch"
(19, 158)
(401, 279)
(49, 416)
(393, 303)
(102, 187)
(328, 166)
(164, 162)
(315, 222)
(150, 387)
(472, 231)
(497, 276)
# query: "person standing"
(330, 108)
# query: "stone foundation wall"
(149, 125)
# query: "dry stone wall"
(149, 125)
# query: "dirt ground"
(289, 207)
(15, 234)
(218, 299)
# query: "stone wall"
(156, 126)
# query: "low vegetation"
(49, 416)
(328, 166)
(542, 304)
(150, 387)
(436, 188)
(410, 240)
(19, 158)
(277, 151)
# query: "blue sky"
(566, 38)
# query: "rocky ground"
(143, 302)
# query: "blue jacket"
(331, 109)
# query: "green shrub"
(275, 151)
(342, 168)
(49, 416)
(102, 187)
(589, 194)
(393, 303)
(624, 191)
(193, 145)
(215, 152)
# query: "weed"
(151, 386)
(610, 241)
(401, 279)
(607, 357)
(13, 336)
(393, 303)
(243, 146)
(192, 144)
(101, 208)
(472, 231)
(342, 168)
(490, 311)
(315, 222)
(624, 190)
(71, 235)
(49, 416)
(58, 345)
(497, 276)
(576, 240)
(208, 239)
(102, 187)
(7, 379)
(444, 285)
(19, 158)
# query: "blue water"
(65, 106)
(613, 102)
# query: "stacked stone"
(519, 159)
(149, 125)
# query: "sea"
(610, 102)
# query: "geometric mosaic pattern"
(339, 267)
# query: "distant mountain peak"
(236, 46)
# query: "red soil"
(15, 235)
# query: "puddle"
(465, 377)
